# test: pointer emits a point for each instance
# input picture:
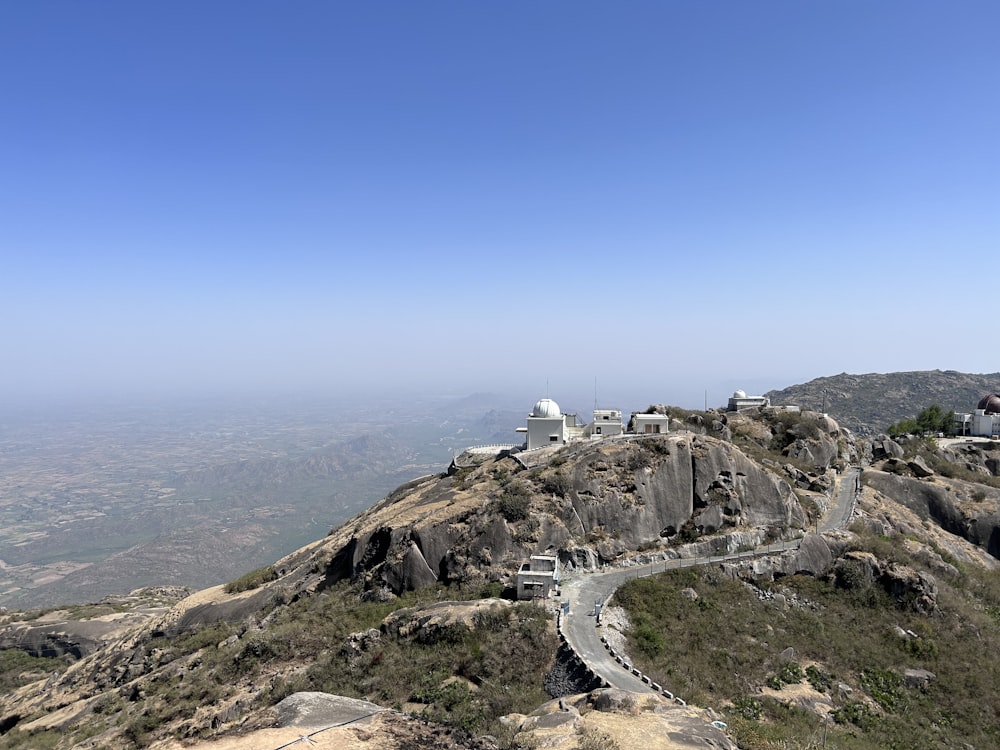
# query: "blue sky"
(672, 197)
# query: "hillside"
(404, 606)
(868, 404)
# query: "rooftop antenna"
(706, 399)
(595, 393)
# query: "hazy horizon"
(673, 198)
(575, 395)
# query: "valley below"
(97, 502)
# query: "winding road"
(586, 590)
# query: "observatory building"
(740, 401)
(985, 422)
(548, 425)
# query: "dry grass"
(723, 648)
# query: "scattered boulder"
(884, 447)
(903, 582)
(311, 709)
(358, 644)
(920, 468)
(855, 570)
(823, 483)
(812, 558)
(612, 700)
(581, 558)
(799, 477)
(918, 678)
(428, 621)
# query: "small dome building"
(547, 425)
(546, 408)
(740, 401)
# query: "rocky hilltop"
(588, 504)
(402, 612)
(867, 404)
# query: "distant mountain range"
(868, 404)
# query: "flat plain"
(100, 500)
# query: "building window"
(598, 430)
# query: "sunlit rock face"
(605, 497)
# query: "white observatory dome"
(546, 407)
(740, 394)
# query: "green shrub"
(657, 446)
(820, 680)
(46, 739)
(252, 580)
(858, 714)
(648, 640)
(514, 502)
(884, 686)
(500, 656)
(930, 421)
(557, 483)
(19, 668)
(746, 707)
(689, 532)
(791, 674)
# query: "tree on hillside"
(930, 421)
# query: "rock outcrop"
(947, 503)
(909, 587)
(75, 633)
(617, 718)
(587, 503)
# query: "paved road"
(583, 591)
(843, 504)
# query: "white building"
(740, 401)
(650, 424)
(547, 425)
(537, 577)
(984, 422)
(607, 423)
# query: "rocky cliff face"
(951, 483)
(948, 504)
(592, 502)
